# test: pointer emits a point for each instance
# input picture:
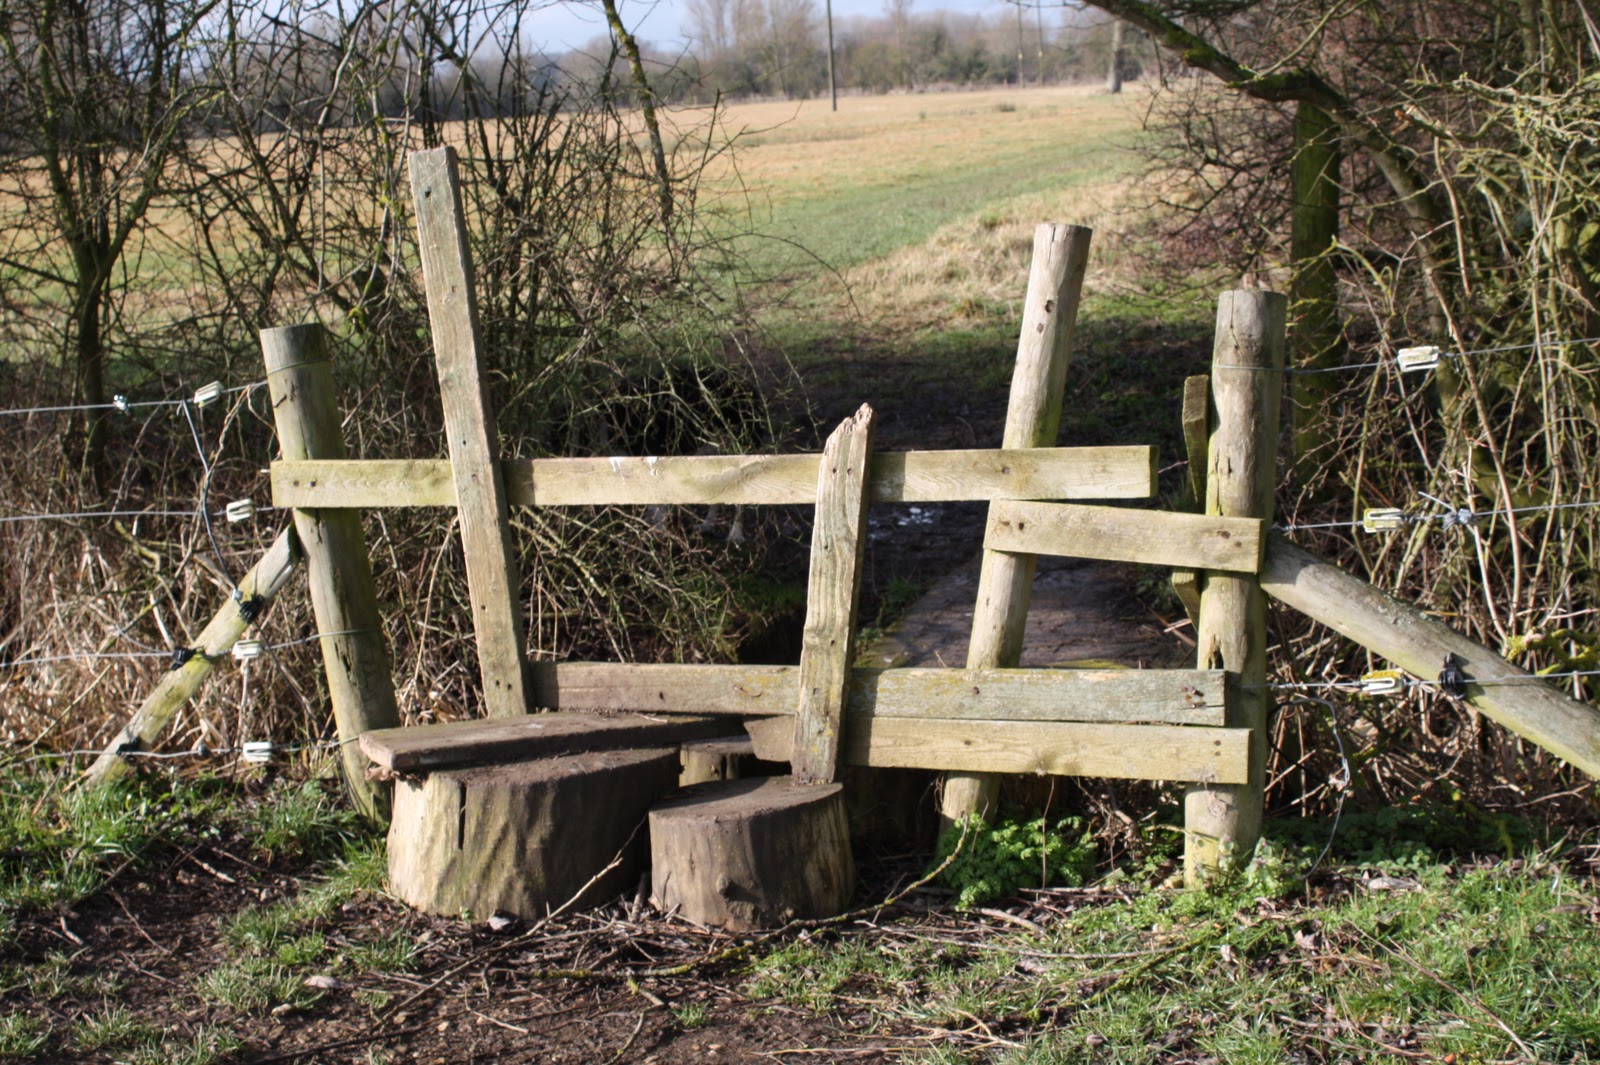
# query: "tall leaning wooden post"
(360, 686)
(1033, 419)
(1223, 822)
(474, 436)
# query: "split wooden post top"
(832, 593)
(469, 421)
(1223, 822)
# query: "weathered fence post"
(1033, 418)
(469, 421)
(1222, 822)
(343, 599)
(838, 543)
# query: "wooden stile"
(344, 600)
(1247, 383)
(1033, 419)
(481, 505)
(1153, 537)
(1123, 472)
(827, 650)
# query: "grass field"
(886, 173)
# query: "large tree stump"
(751, 854)
(525, 837)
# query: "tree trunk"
(1114, 67)
(1317, 333)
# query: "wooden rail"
(1166, 696)
(1195, 541)
(895, 477)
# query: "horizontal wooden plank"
(1189, 541)
(1126, 752)
(1170, 696)
(421, 748)
(672, 689)
(896, 477)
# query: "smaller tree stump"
(751, 854)
(525, 837)
(727, 758)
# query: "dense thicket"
(1417, 173)
(177, 176)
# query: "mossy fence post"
(343, 598)
(1223, 822)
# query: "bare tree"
(99, 98)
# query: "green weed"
(210, 1045)
(995, 859)
(256, 985)
(22, 1036)
(693, 1015)
(393, 952)
(299, 821)
(57, 845)
(113, 1028)
(284, 926)
(1494, 963)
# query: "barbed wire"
(1409, 360)
(1391, 519)
(1389, 682)
(227, 512)
(202, 397)
(255, 751)
(180, 655)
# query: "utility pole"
(1038, 10)
(1022, 82)
(833, 87)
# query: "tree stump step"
(751, 854)
(525, 837)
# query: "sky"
(567, 24)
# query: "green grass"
(58, 843)
(1494, 962)
(854, 224)
(209, 1045)
(256, 985)
(22, 1035)
(114, 1028)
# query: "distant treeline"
(779, 48)
(738, 49)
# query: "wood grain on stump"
(724, 758)
(526, 837)
(751, 854)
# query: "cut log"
(421, 748)
(751, 854)
(723, 758)
(527, 837)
